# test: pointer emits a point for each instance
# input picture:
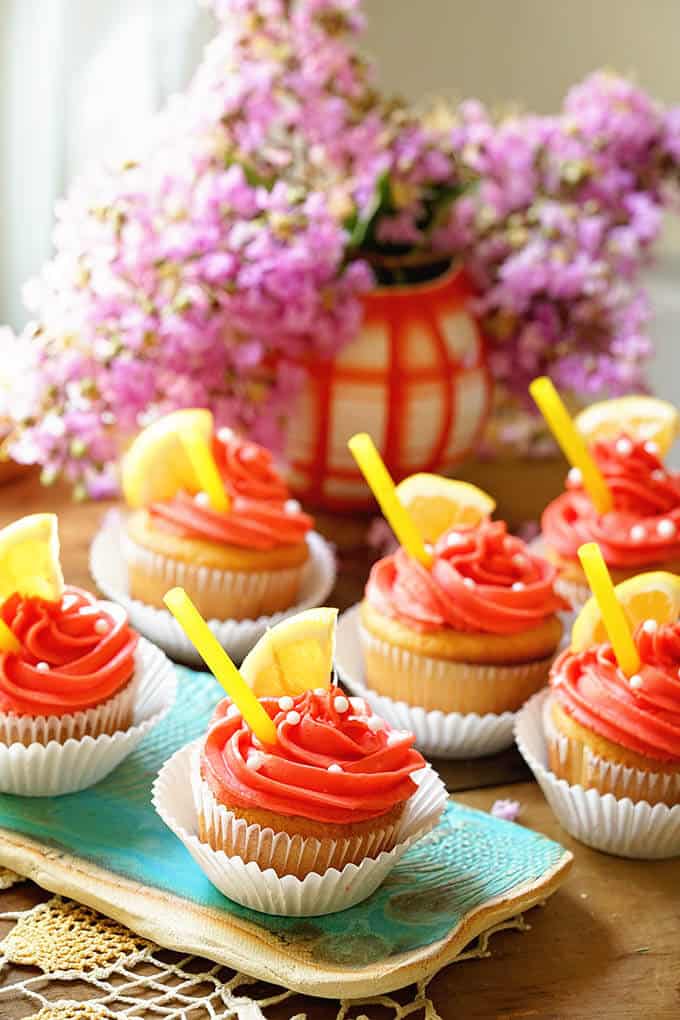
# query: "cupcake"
(628, 439)
(240, 563)
(474, 633)
(615, 734)
(67, 661)
(331, 792)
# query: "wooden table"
(607, 945)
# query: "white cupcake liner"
(439, 734)
(49, 770)
(111, 716)
(616, 826)
(637, 783)
(251, 841)
(264, 890)
(109, 570)
(243, 587)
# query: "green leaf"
(362, 231)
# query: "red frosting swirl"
(482, 580)
(87, 645)
(643, 528)
(641, 714)
(259, 516)
(334, 761)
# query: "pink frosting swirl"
(329, 765)
(642, 529)
(483, 580)
(644, 716)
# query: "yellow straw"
(203, 463)
(571, 441)
(8, 641)
(376, 474)
(220, 665)
(611, 610)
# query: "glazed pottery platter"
(106, 847)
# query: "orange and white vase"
(416, 378)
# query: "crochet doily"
(115, 974)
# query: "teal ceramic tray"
(107, 847)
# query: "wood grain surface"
(606, 947)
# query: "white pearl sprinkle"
(666, 528)
(291, 506)
(635, 681)
(42, 667)
(293, 718)
(375, 723)
(650, 626)
(518, 586)
(341, 704)
(659, 475)
(254, 760)
(624, 446)
(468, 582)
(225, 434)
(335, 768)
(651, 448)
(320, 691)
(575, 476)
(286, 703)
(101, 627)
(455, 538)
(637, 532)
(202, 499)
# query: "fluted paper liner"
(109, 717)
(262, 888)
(438, 733)
(54, 768)
(617, 826)
(109, 569)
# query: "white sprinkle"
(375, 723)
(232, 711)
(42, 667)
(320, 691)
(651, 448)
(635, 681)
(254, 760)
(666, 528)
(341, 704)
(225, 434)
(575, 476)
(286, 703)
(659, 475)
(468, 582)
(637, 532)
(650, 626)
(202, 499)
(335, 768)
(291, 506)
(101, 627)
(624, 446)
(293, 718)
(518, 586)
(455, 538)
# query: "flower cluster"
(557, 233)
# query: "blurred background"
(82, 77)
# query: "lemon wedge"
(643, 418)
(157, 466)
(294, 656)
(651, 596)
(437, 504)
(29, 558)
